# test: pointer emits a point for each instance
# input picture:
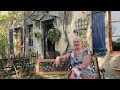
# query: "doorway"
(49, 48)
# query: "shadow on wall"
(109, 63)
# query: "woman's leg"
(72, 75)
(75, 74)
(90, 77)
(87, 74)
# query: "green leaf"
(80, 34)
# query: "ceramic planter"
(117, 72)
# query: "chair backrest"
(46, 67)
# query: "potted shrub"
(117, 72)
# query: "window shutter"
(98, 32)
(30, 29)
(11, 40)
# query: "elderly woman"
(80, 60)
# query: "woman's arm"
(86, 60)
(58, 58)
(66, 56)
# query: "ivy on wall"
(36, 34)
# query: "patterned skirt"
(82, 73)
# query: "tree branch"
(65, 32)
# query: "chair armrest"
(102, 70)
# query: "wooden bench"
(46, 67)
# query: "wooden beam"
(115, 21)
(48, 60)
(37, 68)
(113, 53)
(53, 73)
(110, 31)
(115, 36)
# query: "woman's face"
(77, 43)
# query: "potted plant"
(36, 34)
(54, 35)
(117, 72)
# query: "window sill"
(115, 53)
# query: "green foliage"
(3, 43)
(54, 35)
(10, 16)
(80, 34)
(96, 54)
(36, 34)
(3, 17)
(6, 20)
(27, 14)
(116, 46)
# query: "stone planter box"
(117, 72)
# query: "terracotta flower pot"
(117, 72)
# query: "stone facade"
(62, 44)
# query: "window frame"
(110, 35)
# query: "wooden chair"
(46, 67)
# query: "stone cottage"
(99, 30)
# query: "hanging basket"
(54, 35)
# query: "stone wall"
(70, 26)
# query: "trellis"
(81, 24)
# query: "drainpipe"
(24, 31)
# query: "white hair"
(78, 38)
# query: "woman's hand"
(57, 61)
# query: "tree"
(10, 19)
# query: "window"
(30, 27)
(115, 31)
